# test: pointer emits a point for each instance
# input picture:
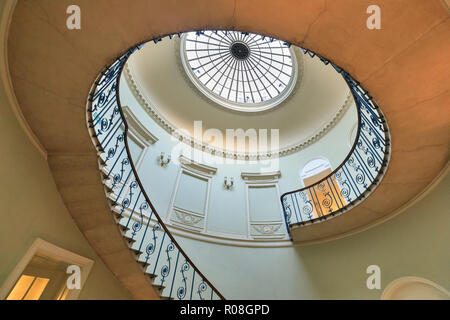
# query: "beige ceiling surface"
(159, 75)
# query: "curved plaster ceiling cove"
(159, 82)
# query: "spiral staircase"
(171, 272)
(88, 168)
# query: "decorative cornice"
(137, 128)
(196, 166)
(189, 140)
(266, 176)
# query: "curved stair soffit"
(5, 21)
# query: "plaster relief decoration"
(267, 229)
(266, 177)
(136, 127)
(190, 200)
(188, 219)
(264, 213)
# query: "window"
(41, 274)
(315, 170)
(43, 278)
(240, 70)
(28, 288)
(324, 194)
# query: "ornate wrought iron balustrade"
(358, 174)
(172, 272)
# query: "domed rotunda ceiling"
(235, 80)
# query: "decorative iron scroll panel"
(165, 262)
(358, 174)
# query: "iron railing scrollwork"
(356, 176)
(163, 259)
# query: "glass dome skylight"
(239, 70)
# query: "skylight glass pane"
(239, 67)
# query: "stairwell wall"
(31, 205)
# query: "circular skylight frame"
(218, 53)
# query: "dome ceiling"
(158, 78)
(240, 71)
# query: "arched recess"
(315, 170)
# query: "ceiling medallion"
(239, 70)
